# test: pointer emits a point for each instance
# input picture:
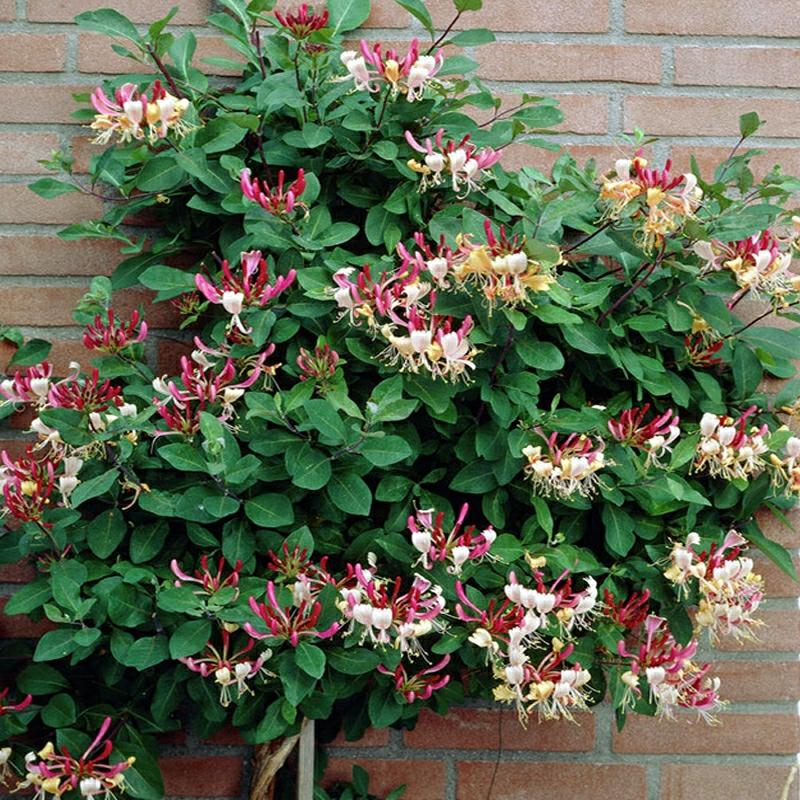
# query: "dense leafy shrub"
(445, 429)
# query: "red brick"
(48, 255)
(424, 779)
(18, 204)
(227, 736)
(53, 305)
(19, 626)
(737, 66)
(768, 734)
(169, 355)
(759, 681)
(780, 633)
(524, 155)
(8, 10)
(15, 573)
(20, 153)
(776, 581)
(714, 781)
(479, 729)
(476, 779)
(16, 448)
(384, 14)
(32, 52)
(145, 11)
(27, 102)
(533, 61)
(583, 113)
(708, 116)
(708, 158)
(202, 776)
(372, 738)
(566, 16)
(714, 17)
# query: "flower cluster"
(674, 680)
(27, 485)
(229, 669)
(730, 592)
(111, 335)
(303, 21)
(465, 163)
(662, 200)
(727, 450)
(653, 438)
(211, 582)
(280, 200)
(418, 685)
(132, 115)
(787, 469)
(408, 75)
(756, 263)
(235, 293)
(319, 366)
(30, 385)
(54, 773)
(565, 468)
(457, 546)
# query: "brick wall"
(683, 69)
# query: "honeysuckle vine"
(435, 428)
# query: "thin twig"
(444, 35)
(162, 68)
(759, 318)
(493, 374)
(607, 224)
(625, 295)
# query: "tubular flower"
(501, 269)
(408, 75)
(787, 470)
(286, 622)
(457, 547)
(630, 613)
(68, 480)
(203, 388)
(494, 622)
(229, 669)
(439, 263)
(380, 611)
(429, 343)
(730, 592)
(565, 468)
(12, 708)
(27, 485)
(84, 394)
(112, 336)
(701, 352)
(464, 162)
(727, 450)
(302, 21)
(662, 201)
(553, 691)
(756, 263)
(674, 680)
(420, 685)
(653, 438)
(53, 773)
(319, 366)
(236, 293)
(29, 385)
(280, 200)
(131, 115)
(210, 582)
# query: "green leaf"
(41, 679)
(418, 10)
(347, 15)
(183, 457)
(354, 661)
(30, 597)
(384, 707)
(619, 527)
(322, 416)
(69, 423)
(749, 123)
(382, 451)
(55, 644)
(348, 492)
(475, 478)
(272, 724)
(586, 337)
(50, 188)
(270, 510)
(60, 712)
(189, 638)
(167, 279)
(147, 541)
(475, 38)
(468, 5)
(145, 652)
(94, 487)
(106, 532)
(540, 355)
(34, 351)
(160, 174)
(310, 659)
(109, 22)
(219, 136)
(747, 371)
(775, 552)
(310, 468)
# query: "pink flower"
(420, 685)
(563, 468)
(654, 438)
(27, 485)
(303, 21)
(87, 394)
(727, 449)
(28, 385)
(11, 708)
(211, 582)
(112, 336)
(319, 366)
(279, 200)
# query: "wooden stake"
(267, 760)
(305, 762)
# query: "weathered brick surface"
(683, 70)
